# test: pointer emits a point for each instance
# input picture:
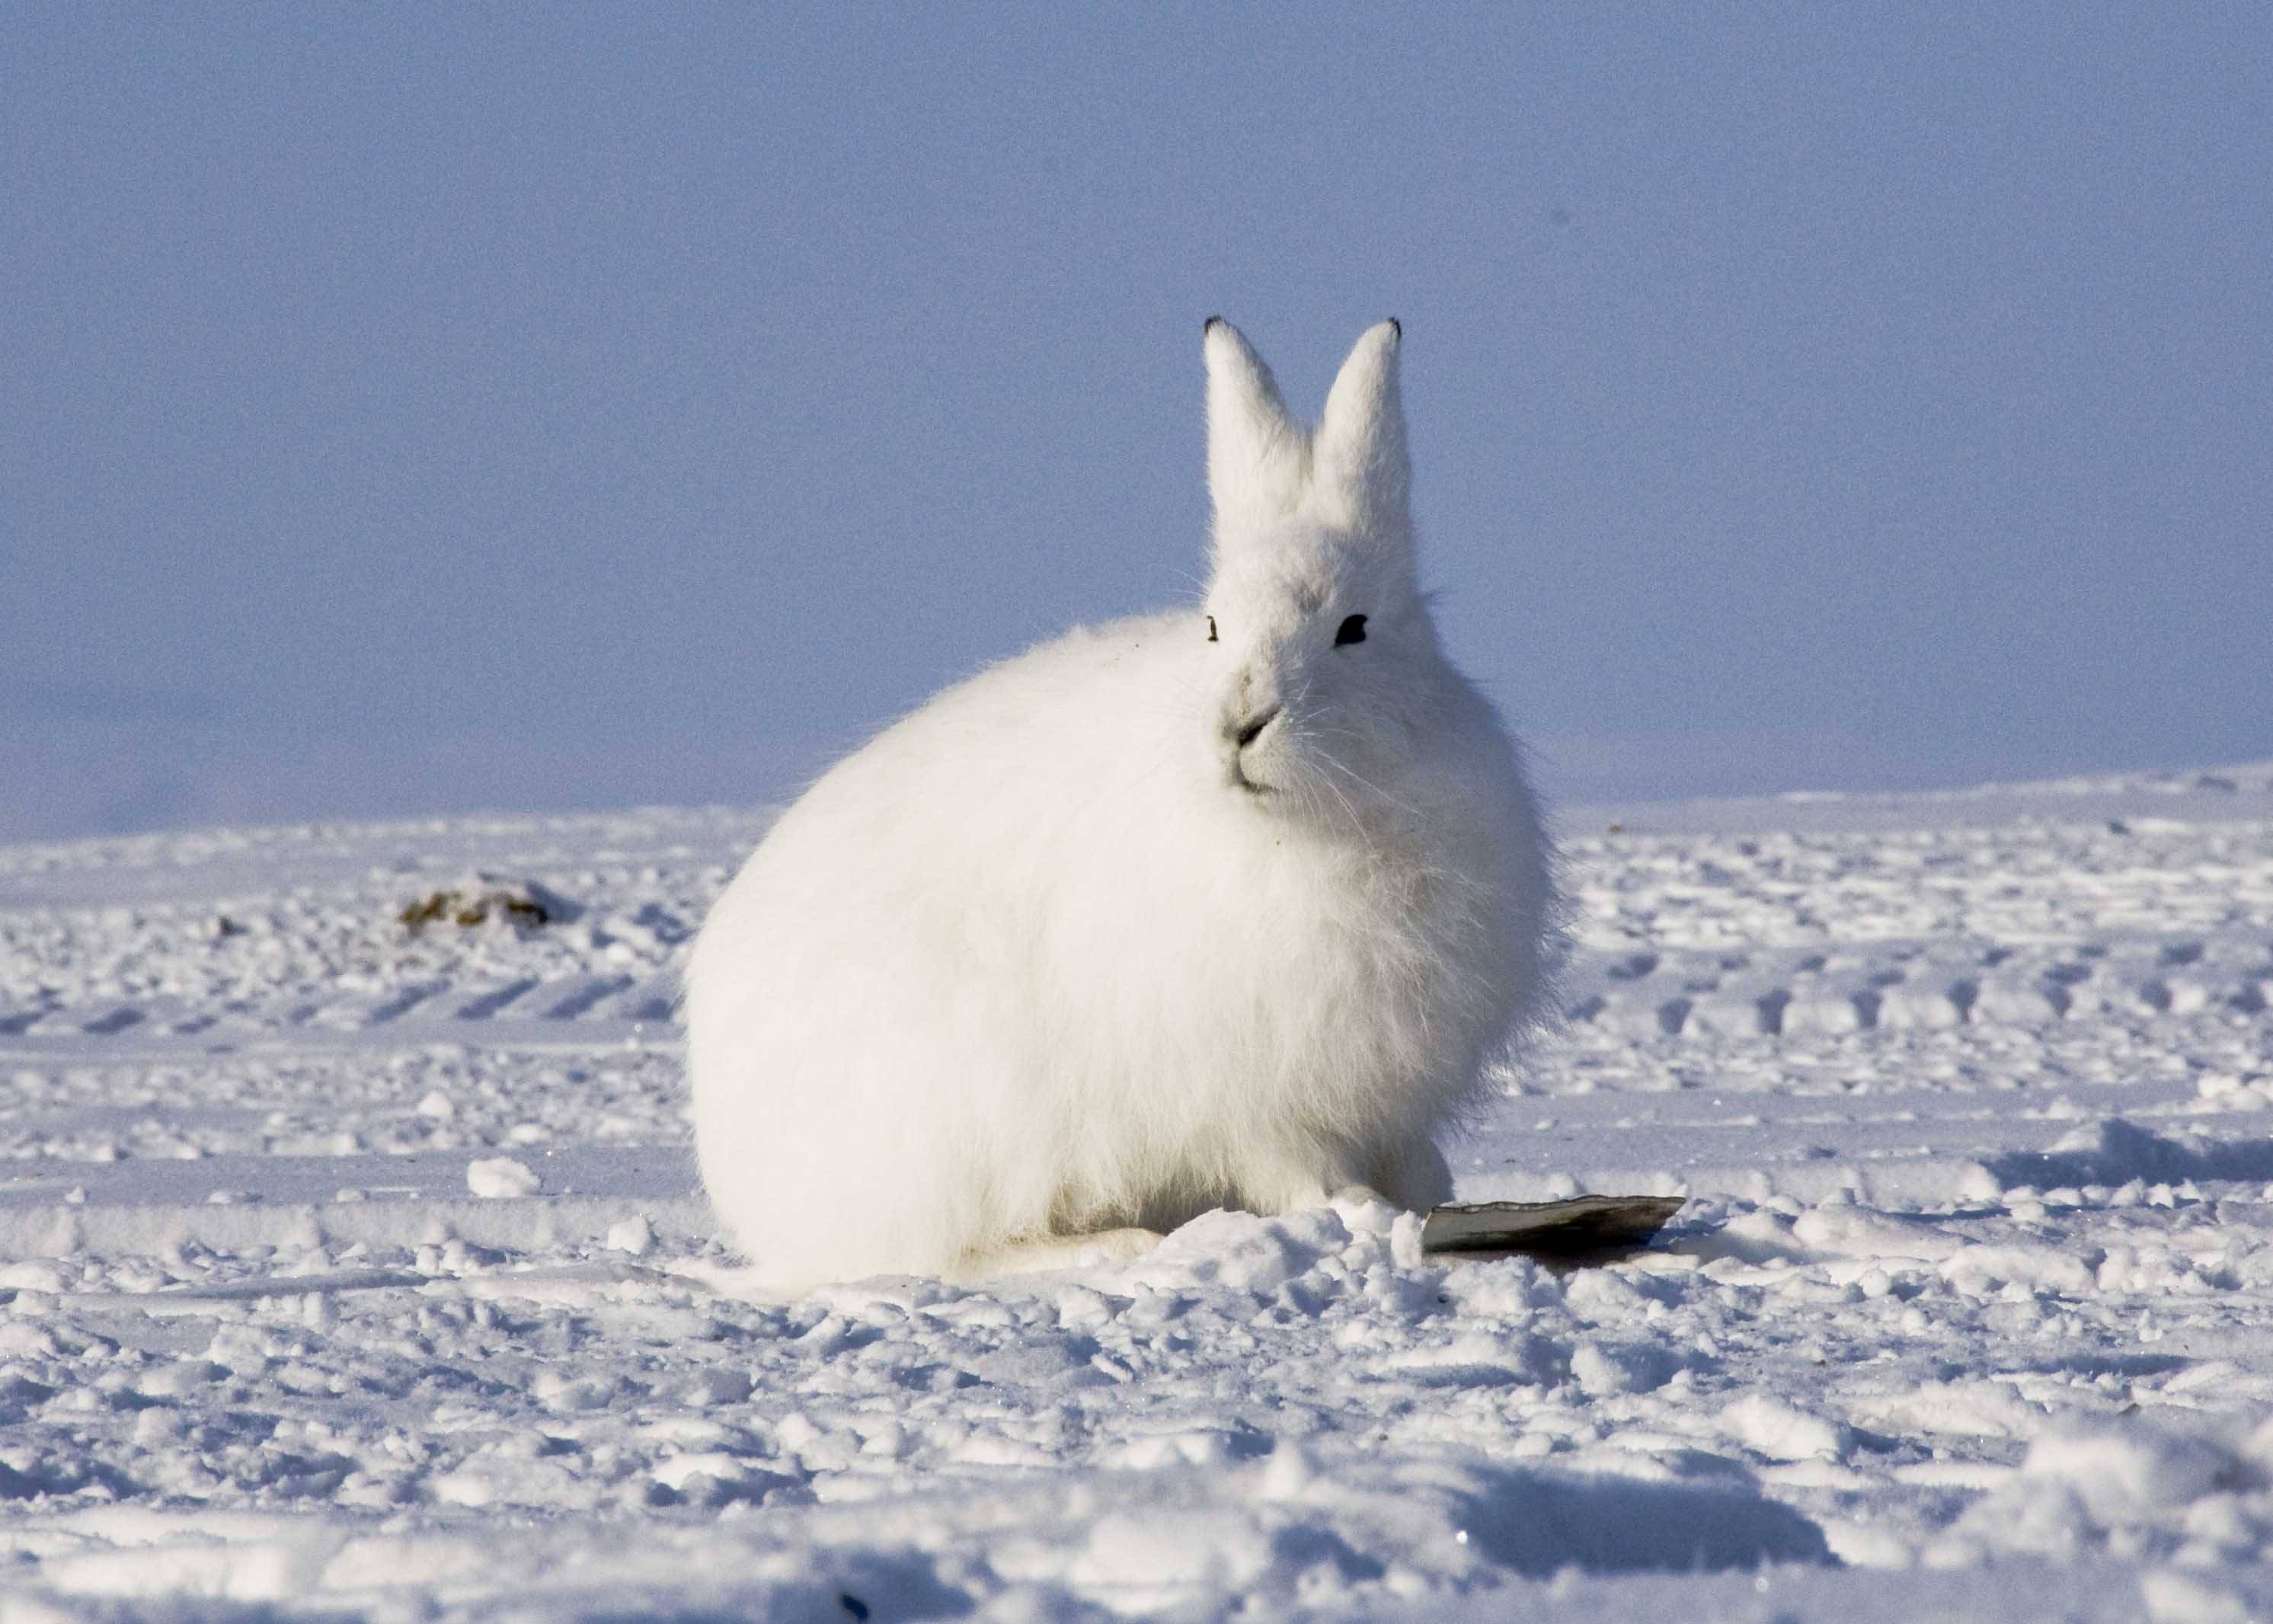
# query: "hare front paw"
(1059, 1252)
(1115, 1246)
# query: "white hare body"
(1077, 945)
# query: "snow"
(354, 1268)
(497, 1177)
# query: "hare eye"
(1211, 637)
(1352, 630)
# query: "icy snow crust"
(355, 1270)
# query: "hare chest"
(1308, 1036)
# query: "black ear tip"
(1395, 327)
(1211, 325)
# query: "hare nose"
(1244, 734)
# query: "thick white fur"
(1055, 955)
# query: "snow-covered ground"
(355, 1269)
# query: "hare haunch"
(1227, 905)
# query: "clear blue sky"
(418, 407)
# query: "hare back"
(1022, 965)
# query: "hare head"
(1325, 668)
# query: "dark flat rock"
(1584, 1228)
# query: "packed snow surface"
(354, 1264)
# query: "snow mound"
(2128, 1488)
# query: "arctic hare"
(1225, 906)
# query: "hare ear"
(1258, 453)
(1361, 475)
